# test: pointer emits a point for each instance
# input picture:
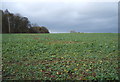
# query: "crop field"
(67, 56)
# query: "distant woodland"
(15, 23)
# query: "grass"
(70, 56)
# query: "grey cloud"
(63, 17)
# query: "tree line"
(15, 23)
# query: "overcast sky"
(64, 16)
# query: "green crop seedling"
(67, 56)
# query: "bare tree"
(7, 13)
(72, 31)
